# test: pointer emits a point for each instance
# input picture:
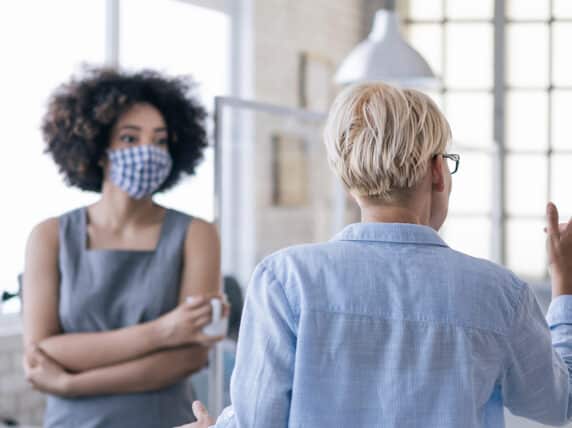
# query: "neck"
(391, 214)
(116, 209)
(414, 210)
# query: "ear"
(438, 173)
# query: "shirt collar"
(399, 233)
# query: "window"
(173, 36)
(31, 187)
(440, 31)
(514, 110)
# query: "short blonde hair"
(380, 139)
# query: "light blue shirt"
(386, 326)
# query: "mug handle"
(216, 305)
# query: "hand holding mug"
(184, 325)
(219, 317)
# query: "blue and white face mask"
(140, 170)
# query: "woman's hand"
(45, 374)
(559, 245)
(203, 418)
(184, 324)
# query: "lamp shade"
(386, 56)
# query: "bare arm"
(85, 351)
(149, 373)
(41, 284)
(201, 276)
(76, 352)
(201, 270)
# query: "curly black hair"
(81, 114)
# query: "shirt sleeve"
(261, 384)
(536, 382)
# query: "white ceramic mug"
(219, 324)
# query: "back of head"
(380, 139)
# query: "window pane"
(527, 51)
(481, 9)
(39, 63)
(561, 120)
(562, 8)
(562, 65)
(471, 118)
(472, 184)
(175, 43)
(468, 235)
(561, 176)
(528, 9)
(527, 120)
(526, 254)
(427, 38)
(469, 67)
(194, 194)
(526, 184)
(425, 9)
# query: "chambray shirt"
(386, 326)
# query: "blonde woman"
(385, 325)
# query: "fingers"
(209, 340)
(202, 321)
(195, 309)
(226, 310)
(553, 229)
(561, 227)
(201, 312)
(201, 413)
(566, 228)
(552, 218)
(193, 302)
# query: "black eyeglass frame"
(455, 158)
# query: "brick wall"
(324, 31)
(284, 28)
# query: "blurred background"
(267, 73)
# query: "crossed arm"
(139, 358)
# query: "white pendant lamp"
(386, 56)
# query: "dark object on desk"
(6, 295)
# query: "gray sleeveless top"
(108, 289)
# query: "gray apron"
(103, 290)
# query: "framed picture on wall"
(316, 87)
(290, 175)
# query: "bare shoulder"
(45, 234)
(202, 233)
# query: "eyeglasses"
(452, 161)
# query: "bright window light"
(170, 36)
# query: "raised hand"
(559, 247)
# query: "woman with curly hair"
(109, 333)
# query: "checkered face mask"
(139, 170)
